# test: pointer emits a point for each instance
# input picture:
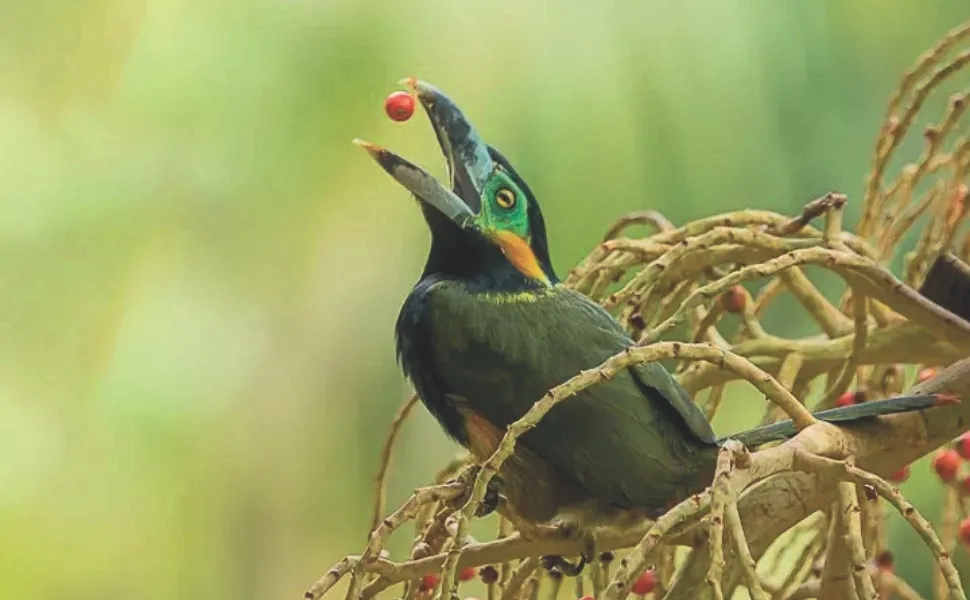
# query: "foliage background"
(199, 274)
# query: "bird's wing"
(660, 385)
(633, 441)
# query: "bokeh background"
(199, 274)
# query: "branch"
(380, 493)
(881, 446)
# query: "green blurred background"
(199, 274)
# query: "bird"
(489, 328)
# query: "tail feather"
(784, 430)
(948, 285)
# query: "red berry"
(926, 374)
(965, 531)
(846, 399)
(467, 574)
(946, 463)
(900, 475)
(734, 300)
(645, 583)
(962, 445)
(399, 106)
(587, 598)
(428, 582)
(964, 485)
(850, 397)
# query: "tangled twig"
(687, 281)
(847, 472)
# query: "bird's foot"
(564, 566)
(493, 489)
(587, 541)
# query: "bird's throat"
(518, 252)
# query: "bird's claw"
(564, 566)
(492, 491)
(587, 542)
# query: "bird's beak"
(468, 161)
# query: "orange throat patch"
(520, 254)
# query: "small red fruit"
(645, 583)
(965, 531)
(900, 476)
(925, 374)
(467, 574)
(964, 485)
(734, 300)
(587, 598)
(850, 397)
(428, 582)
(846, 399)
(946, 463)
(962, 445)
(399, 106)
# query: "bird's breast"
(522, 327)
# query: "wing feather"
(632, 441)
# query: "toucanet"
(488, 329)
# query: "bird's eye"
(505, 198)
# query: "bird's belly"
(534, 492)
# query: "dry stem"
(674, 276)
(380, 492)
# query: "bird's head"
(487, 219)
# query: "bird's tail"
(784, 430)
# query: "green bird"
(489, 329)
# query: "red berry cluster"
(946, 464)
